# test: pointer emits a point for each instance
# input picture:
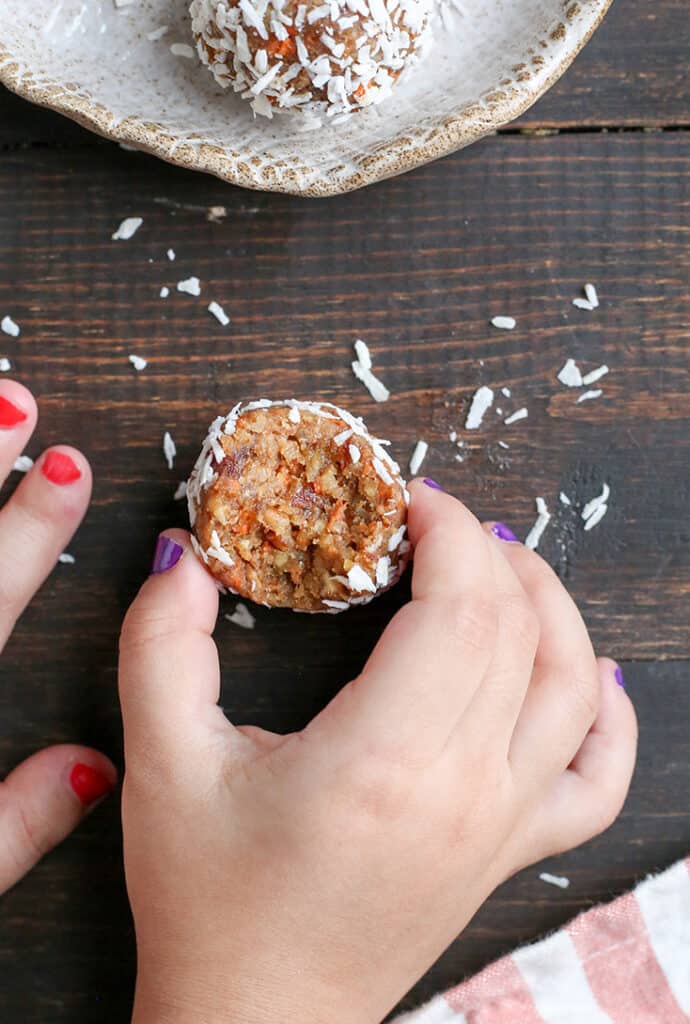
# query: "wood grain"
(417, 267)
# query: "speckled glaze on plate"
(95, 63)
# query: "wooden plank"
(417, 267)
(66, 944)
(633, 72)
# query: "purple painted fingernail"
(432, 484)
(168, 553)
(618, 675)
(504, 532)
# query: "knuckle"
(522, 620)
(472, 622)
(377, 788)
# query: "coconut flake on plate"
(570, 375)
(138, 362)
(190, 286)
(183, 50)
(520, 414)
(504, 323)
(542, 521)
(418, 456)
(8, 326)
(242, 617)
(216, 310)
(587, 396)
(482, 401)
(169, 449)
(560, 881)
(127, 229)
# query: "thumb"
(169, 675)
(43, 800)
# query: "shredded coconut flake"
(165, 292)
(127, 229)
(180, 491)
(481, 403)
(593, 507)
(355, 453)
(594, 375)
(363, 354)
(172, 255)
(361, 367)
(587, 396)
(5, 365)
(570, 375)
(66, 559)
(520, 414)
(22, 464)
(8, 326)
(564, 499)
(219, 313)
(418, 456)
(591, 295)
(190, 286)
(358, 579)
(294, 415)
(138, 362)
(242, 617)
(583, 304)
(542, 521)
(506, 392)
(182, 50)
(558, 880)
(169, 449)
(504, 323)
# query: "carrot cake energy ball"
(295, 505)
(319, 58)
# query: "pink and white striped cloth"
(627, 962)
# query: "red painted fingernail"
(60, 469)
(89, 785)
(10, 415)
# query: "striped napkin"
(627, 962)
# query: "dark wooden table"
(590, 185)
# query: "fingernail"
(504, 532)
(10, 415)
(618, 675)
(89, 785)
(168, 553)
(432, 484)
(60, 469)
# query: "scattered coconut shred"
(66, 559)
(542, 521)
(595, 510)
(418, 456)
(5, 365)
(190, 286)
(520, 414)
(127, 229)
(569, 375)
(558, 880)
(591, 300)
(481, 403)
(361, 367)
(8, 326)
(242, 617)
(180, 491)
(216, 310)
(169, 449)
(138, 362)
(587, 396)
(504, 323)
(22, 464)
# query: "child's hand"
(316, 876)
(43, 799)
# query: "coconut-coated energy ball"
(322, 59)
(295, 505)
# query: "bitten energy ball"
(319, 58)
(295, 505)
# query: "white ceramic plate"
(95, 63)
